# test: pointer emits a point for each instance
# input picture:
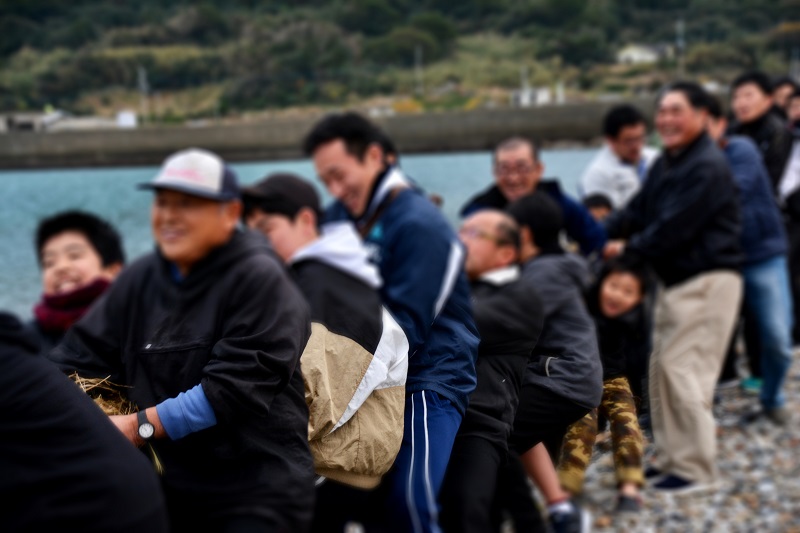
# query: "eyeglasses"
(631, 141)
(475, 233)
(519, 168)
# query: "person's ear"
(507, 255)
(307, 218)
(374, 154)
(232, 212)
(111, 271)
(525, 236)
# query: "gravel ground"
(759, 488)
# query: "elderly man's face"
(187, 228)
(516, 172)
(677, 122)
(486, 250)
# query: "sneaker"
(777, 415)
(673, 484)
(652, 472)
(628, 504)
(727, 383)
(577, 520)
(751, 385)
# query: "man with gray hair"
(685, 222)
(518, 172)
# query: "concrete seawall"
(281, 138)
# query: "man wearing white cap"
(207, 332)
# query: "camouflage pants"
(619, 408)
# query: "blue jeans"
(431, 424)
(768, 298)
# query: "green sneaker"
(751, 385)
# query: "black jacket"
(685, 220)
(578, 223)
(63, 465)
(623, 341)
(773, 139)
(509, 317)
(237, 325)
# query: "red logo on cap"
(187, 173)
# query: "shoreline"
(560, 126)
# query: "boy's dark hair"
(281, 193)
(597, 200)
(355, 131)
(755, 77)
(100, 234)
(627, 265)
(542, 215)
(694, 92)
(795, 94)
(621, 116)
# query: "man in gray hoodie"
(563, 381)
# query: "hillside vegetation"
(227, 57)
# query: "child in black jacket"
(617, 304)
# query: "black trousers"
(337, 504)
(190, 513)
(469, 485)
(542, 416)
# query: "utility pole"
(144, 91)
(680, 46)
(418, 70)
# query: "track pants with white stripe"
(431, 424)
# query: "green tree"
(400, 47)
(370, 17)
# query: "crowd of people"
(296, 367)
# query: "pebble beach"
(759, 485)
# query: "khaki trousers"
(693, 324)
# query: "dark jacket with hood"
(355, 362)
(773, 139)
(623, 341)
(509, 317)
(566, 359)
(578, 222)
(237, 326)
(685, 220)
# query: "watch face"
(146, 430)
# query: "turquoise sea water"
(112, 193)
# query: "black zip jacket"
(685, 220)
(509, 317)
(237, 325)
(773, 139)
(623, 341)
